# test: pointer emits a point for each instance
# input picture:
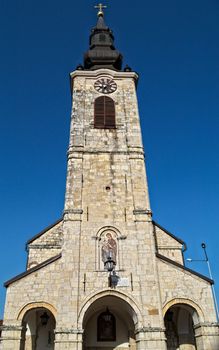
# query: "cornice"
(102, 72)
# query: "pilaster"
(151, 338)
(207, 336)
(12, 336)
(68, 339)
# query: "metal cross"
(100, 7)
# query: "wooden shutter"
(99, 112)
(104, 113)
(109, 113)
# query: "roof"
(43, 231)
(184, 268)
(170, 234)
(102, 52)
(33, 269)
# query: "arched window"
(104, 113)
(106, 326)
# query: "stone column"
(68, 339)
(132, 341)
(186, 341)
(149, 338)
(13, 336)
(207, 336)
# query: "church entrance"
(180, 327)
(109, 325)
(38, 334)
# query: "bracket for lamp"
(109, 265)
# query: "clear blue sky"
(173, 45)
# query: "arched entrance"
(179, 323)
(39, 324)
(109, 324)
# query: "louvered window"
(104, 113)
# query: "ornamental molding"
(103, 72)
(45, 246)
(35, 305)
(149, 330)
(11, 328)
(142, 212)
(206, 324)
(69, 331)
(73, 211)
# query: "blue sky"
(173, 45)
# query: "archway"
(38, 334)
(109, 324)
(179, 323)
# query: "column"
(207, 336)
(68, 339)
(13, 336)
(150, 338)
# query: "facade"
(106, 276)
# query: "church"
(105, 275)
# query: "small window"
(104, 113)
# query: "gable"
(45, 244)
(168, 244)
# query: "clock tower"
(106, 276)
(107, 211)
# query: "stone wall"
(45, 245)
(177, 283)
(167, 245)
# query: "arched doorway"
(109, 324)
(39, 324)
(179, 323)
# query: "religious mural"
(109, 246)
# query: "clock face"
(105, 85)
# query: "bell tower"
(106, 135)
(107, 210)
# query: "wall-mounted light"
(110, 267)
(44, 318)
(109, 264)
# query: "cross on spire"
(100, 7)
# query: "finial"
(127, 68)
(100, 7)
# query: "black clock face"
(105, 85)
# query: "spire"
(102, 53)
